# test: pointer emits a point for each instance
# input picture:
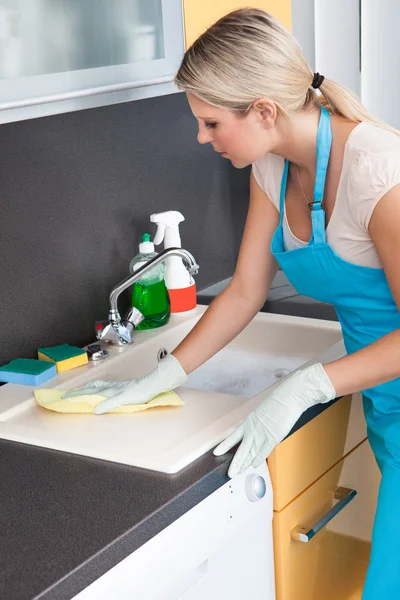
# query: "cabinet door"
(308, 453)
(332, 564)
(200, 15)
(59, 56)
(221, 549)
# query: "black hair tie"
(317, 81)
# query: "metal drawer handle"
(344, 495)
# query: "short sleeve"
(372, 176)
(268, 171)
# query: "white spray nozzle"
(176, 277)
(167, 228)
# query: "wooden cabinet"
(306, 455)
(199, 15)
(325, 506)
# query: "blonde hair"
(248, 55)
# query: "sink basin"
(217, 396)
(265, 352)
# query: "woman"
(325, 206)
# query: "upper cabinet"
(63, 55)
(200, 14)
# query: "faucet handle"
(119, 332)
(116, 334)
(100, 327)
(133, 316)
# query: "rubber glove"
(165, 377)
(273, 419)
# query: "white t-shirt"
(371, 167)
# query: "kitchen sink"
(268, 349)
(216, 398)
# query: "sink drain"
(280, 373)
(162, 353)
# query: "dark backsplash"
(76, 194)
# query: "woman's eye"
(210, 125)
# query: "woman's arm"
(236, 306)
(379, 362)
(223, 320)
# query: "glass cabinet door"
(62, 55)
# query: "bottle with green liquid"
(150, 294)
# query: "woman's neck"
(297, 139)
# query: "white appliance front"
(222, 548)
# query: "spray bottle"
(180, 284)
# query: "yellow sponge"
(65, 356)
(52, 400)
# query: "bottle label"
(183, 299)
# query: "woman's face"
(240, 139)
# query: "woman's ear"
(265, 111)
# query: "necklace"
(309, 204)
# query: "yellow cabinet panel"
(200, 14)
(333, 563)
(304, 456)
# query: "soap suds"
(242, 372)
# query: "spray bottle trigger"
(159, 237)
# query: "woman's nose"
(204, 136)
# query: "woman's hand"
(273, 419)
(165, 377)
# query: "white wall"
(328, 32)
(380, 59)
(337, 41)
(357, 43)
(303, 27)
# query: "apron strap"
(317, 224)
(324, 142)
(283, 192)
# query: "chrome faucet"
(119, 331)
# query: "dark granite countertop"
(67, 519)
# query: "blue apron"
(367, 311)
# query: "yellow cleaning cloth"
(51, 399)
